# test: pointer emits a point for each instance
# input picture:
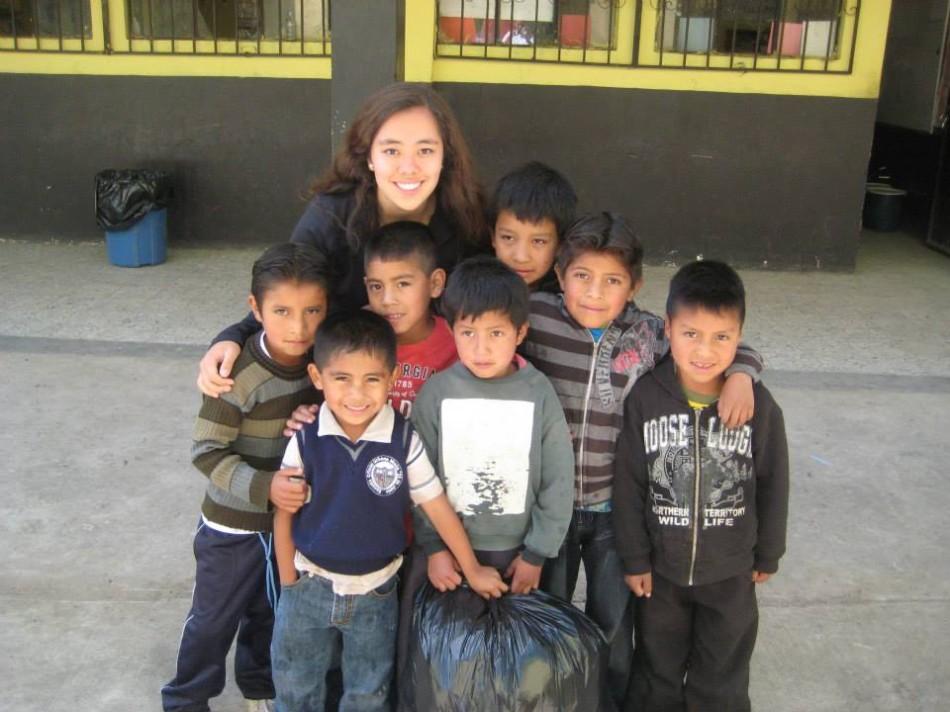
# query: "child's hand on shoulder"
(525, 577)
(486, 582)
(640, 584)
(736, 402)
(760, 577)
(444, 571)
(288, 490)
(302, 415)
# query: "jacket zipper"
(696, 487)
(580, 454)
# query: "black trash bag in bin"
(517, 653)
(125, 197)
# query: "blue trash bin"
(145, 243)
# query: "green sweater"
(239, 441)
(504, 454)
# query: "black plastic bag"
(125, 197)
(524, 653)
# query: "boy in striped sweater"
(238, 446)
(593, 342)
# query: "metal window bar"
(780, 42)
(732, 45)
(36, 23)
(59, 26)
(831, 34)
(758, 34)
(534, 39)
(511, 26)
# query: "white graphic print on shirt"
(725, 465)
(487, 467)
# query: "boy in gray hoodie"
(494, 428)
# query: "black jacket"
(674, 461)
(323, 225)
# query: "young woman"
(403, 158)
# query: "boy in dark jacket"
(700, 509)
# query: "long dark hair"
(458, 193)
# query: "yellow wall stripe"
(165, 65)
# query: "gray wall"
(759, 180)
(241, 151)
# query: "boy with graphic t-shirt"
(494, 428)
(401, 280)
(700, 508)
(339, 553)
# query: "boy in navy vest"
(338, 554)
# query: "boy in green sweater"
(238, 445)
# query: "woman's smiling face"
(406, 159)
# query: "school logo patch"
(384, 475)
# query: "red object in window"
(458, 30)
(574, 30)
(791, 38)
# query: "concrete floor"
(99, 364)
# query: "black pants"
(230, 597)
(694, 644)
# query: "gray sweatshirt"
(504, 454)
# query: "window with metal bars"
(266, 27)
(519, 25)
(751, 34)
(221, 27)
(25, 23)
(738, 35)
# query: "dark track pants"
(703, 633)
(230, 597)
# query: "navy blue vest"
(353, 523)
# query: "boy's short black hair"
(402, 240)
(602, 232)
(534, 192)
(288, 262)
(350, 331)
(482, 284)
(707, 284)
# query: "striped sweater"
(239, 441)
(592, 380)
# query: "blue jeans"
(590, 539)
(312, 622)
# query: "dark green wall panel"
(775, 181)
(241, 151)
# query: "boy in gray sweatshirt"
(494, 428)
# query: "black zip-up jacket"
(695, 501)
